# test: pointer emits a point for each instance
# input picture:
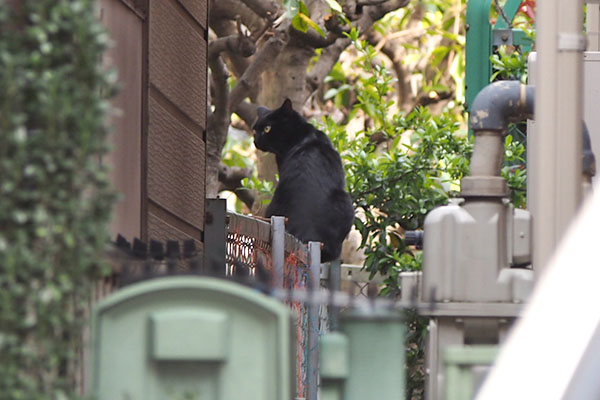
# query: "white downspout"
(558, 113)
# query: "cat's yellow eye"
(267, 129)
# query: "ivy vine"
(55, 197)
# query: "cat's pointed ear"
(287, 106)
(261, 111)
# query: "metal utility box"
(470, 280)
(188, 338)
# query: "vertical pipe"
(593, 26)
(558, 114)
(488, 154)
(278, 249)
(314, 251)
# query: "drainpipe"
(558, 114)
(494, 107)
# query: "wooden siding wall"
(159, 140)
(126, 29)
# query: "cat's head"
(279, 129)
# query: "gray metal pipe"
(500, 103)
(488, 154)
(494, 107)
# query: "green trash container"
(191, 338)
(366, 359)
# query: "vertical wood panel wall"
(126, 29)
(159, 140)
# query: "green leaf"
(334, 5)
(330, 93)
(299, 23)
(302, 9)
(291, 7)
(306, 21)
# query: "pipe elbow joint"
(500, 103)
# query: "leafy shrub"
(55, 199)
(509, 65)
(398, 168)
(514, 169)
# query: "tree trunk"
(285, 78)
(275, 69)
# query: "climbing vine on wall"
(55, 199)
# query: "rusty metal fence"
(238, 247)
(261, 246)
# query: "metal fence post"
(478, 68)
(314, 256)
(215, 236)
(334, 285)
(278, 249)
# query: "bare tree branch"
(236, 63)
(433, 98)
(377, 12)
(219, 87)
(239, 44)
(281, 60)
(222, 16)
(327, 60)
(264, 8)
(311, 38)
(331, 54)
(257, 34)
(247, 112)
(235, 45)
(231, 10)
(220, 118)
(230, 178)
(262, 59)
(242, 45)
(370, 2)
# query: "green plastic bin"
(191, 338)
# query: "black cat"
(311, 189)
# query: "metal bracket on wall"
(502, 37)
(571, 42)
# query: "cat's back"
(317, 205)
(314, 158)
